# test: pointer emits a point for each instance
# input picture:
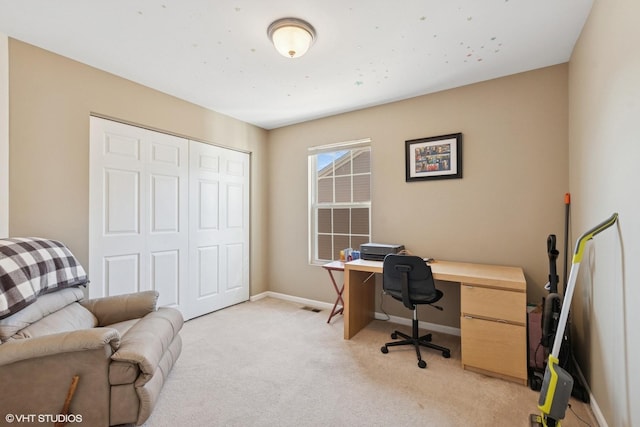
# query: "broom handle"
(567, 204)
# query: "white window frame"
(312, 192)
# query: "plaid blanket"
(32, 266)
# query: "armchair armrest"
(147, 341)
(110, 310)
(65, 342)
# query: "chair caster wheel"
(446, 354)
(384, 349)
(422, 364)
(394, 336)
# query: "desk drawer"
(492, 303)
(494, 347)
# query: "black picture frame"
(436, 157)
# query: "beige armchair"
(120, 348)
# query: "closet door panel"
(121, 274)
(165, 204)
(219, 202)
(165, 273)
(207, 270)
(207, 200)
(138, 212)
(122, 191)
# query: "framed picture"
(437, 157)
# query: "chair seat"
(417, 298)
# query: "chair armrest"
(65, 342)
(110, 310)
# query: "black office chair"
(409, 279)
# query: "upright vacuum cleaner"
(552, 305)
(557, 384)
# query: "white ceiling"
(215, 53)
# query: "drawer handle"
(506, 322)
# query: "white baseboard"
(304, 301)
(380, 316)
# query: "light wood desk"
(492, 312)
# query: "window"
(339, 199)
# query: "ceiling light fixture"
(292, 37)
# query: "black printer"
(377, 251)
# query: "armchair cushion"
(42, 307)
(70, 318)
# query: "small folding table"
(331, 267)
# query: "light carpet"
(275, 363)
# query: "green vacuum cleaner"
(557, 382)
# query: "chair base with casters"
(416, 341)
(410, 280)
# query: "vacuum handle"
(577, 258)
(582, 241)
(551, 246)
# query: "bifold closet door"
(167, 214)
(219, 228)
(138, 212)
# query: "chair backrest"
(408, 278)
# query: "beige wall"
(4, 135)
(510, 198)
(604, 108)
(51, 99)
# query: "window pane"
(356, 241)
(362, 188)
(340, 243)
(341, 221)
(360, 221)
(362, 161)
(324, 220)
(343, 165)
(325, 190)
(324, 247)
(325, 164)
(343, 189)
